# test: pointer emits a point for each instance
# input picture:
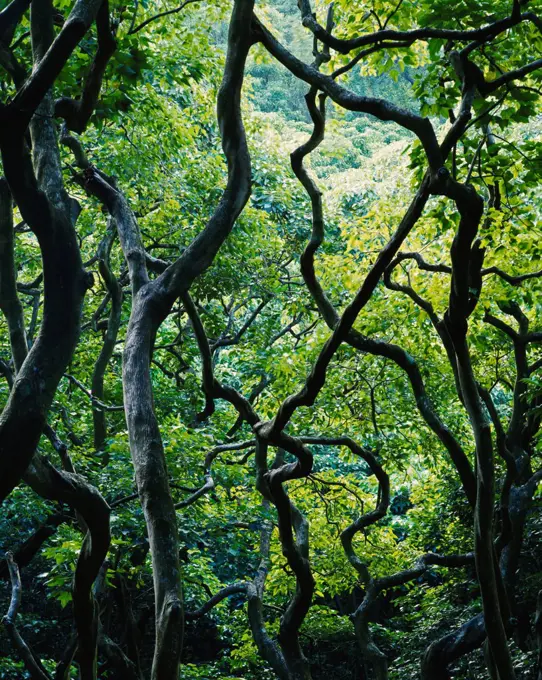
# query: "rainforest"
(270, 340)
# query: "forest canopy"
(271, 339)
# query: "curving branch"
(73, 489)
(32, 663)
(375, 586)
(380, 108)
(92, 510)
(17, 114)
(293, 526)
(412, 294)
(361, 616)
(160, 15)
(463, 299)
(509, 278)
(254, 591)
(36, 185)
(77, 112)
(342, 326)
(151, 303)
(9, 299)
(10, 17)
(113, 324)
(346, 45)
(256, 391)
(95, 401)
(467, 258)
(12, 66)
(315, 381)
(427, 307)
(32, 545)
(354, 338)
(516, 74)
(217, 598)
(422, 264)
(209, 484)
(228, 340)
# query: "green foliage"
(154, 130)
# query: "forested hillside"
(270, 341)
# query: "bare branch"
(96, 402)
(217, 598)
(31, 663)
(159, 16)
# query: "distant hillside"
(350, 137)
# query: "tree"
(203, 304)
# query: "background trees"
(332, 408)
